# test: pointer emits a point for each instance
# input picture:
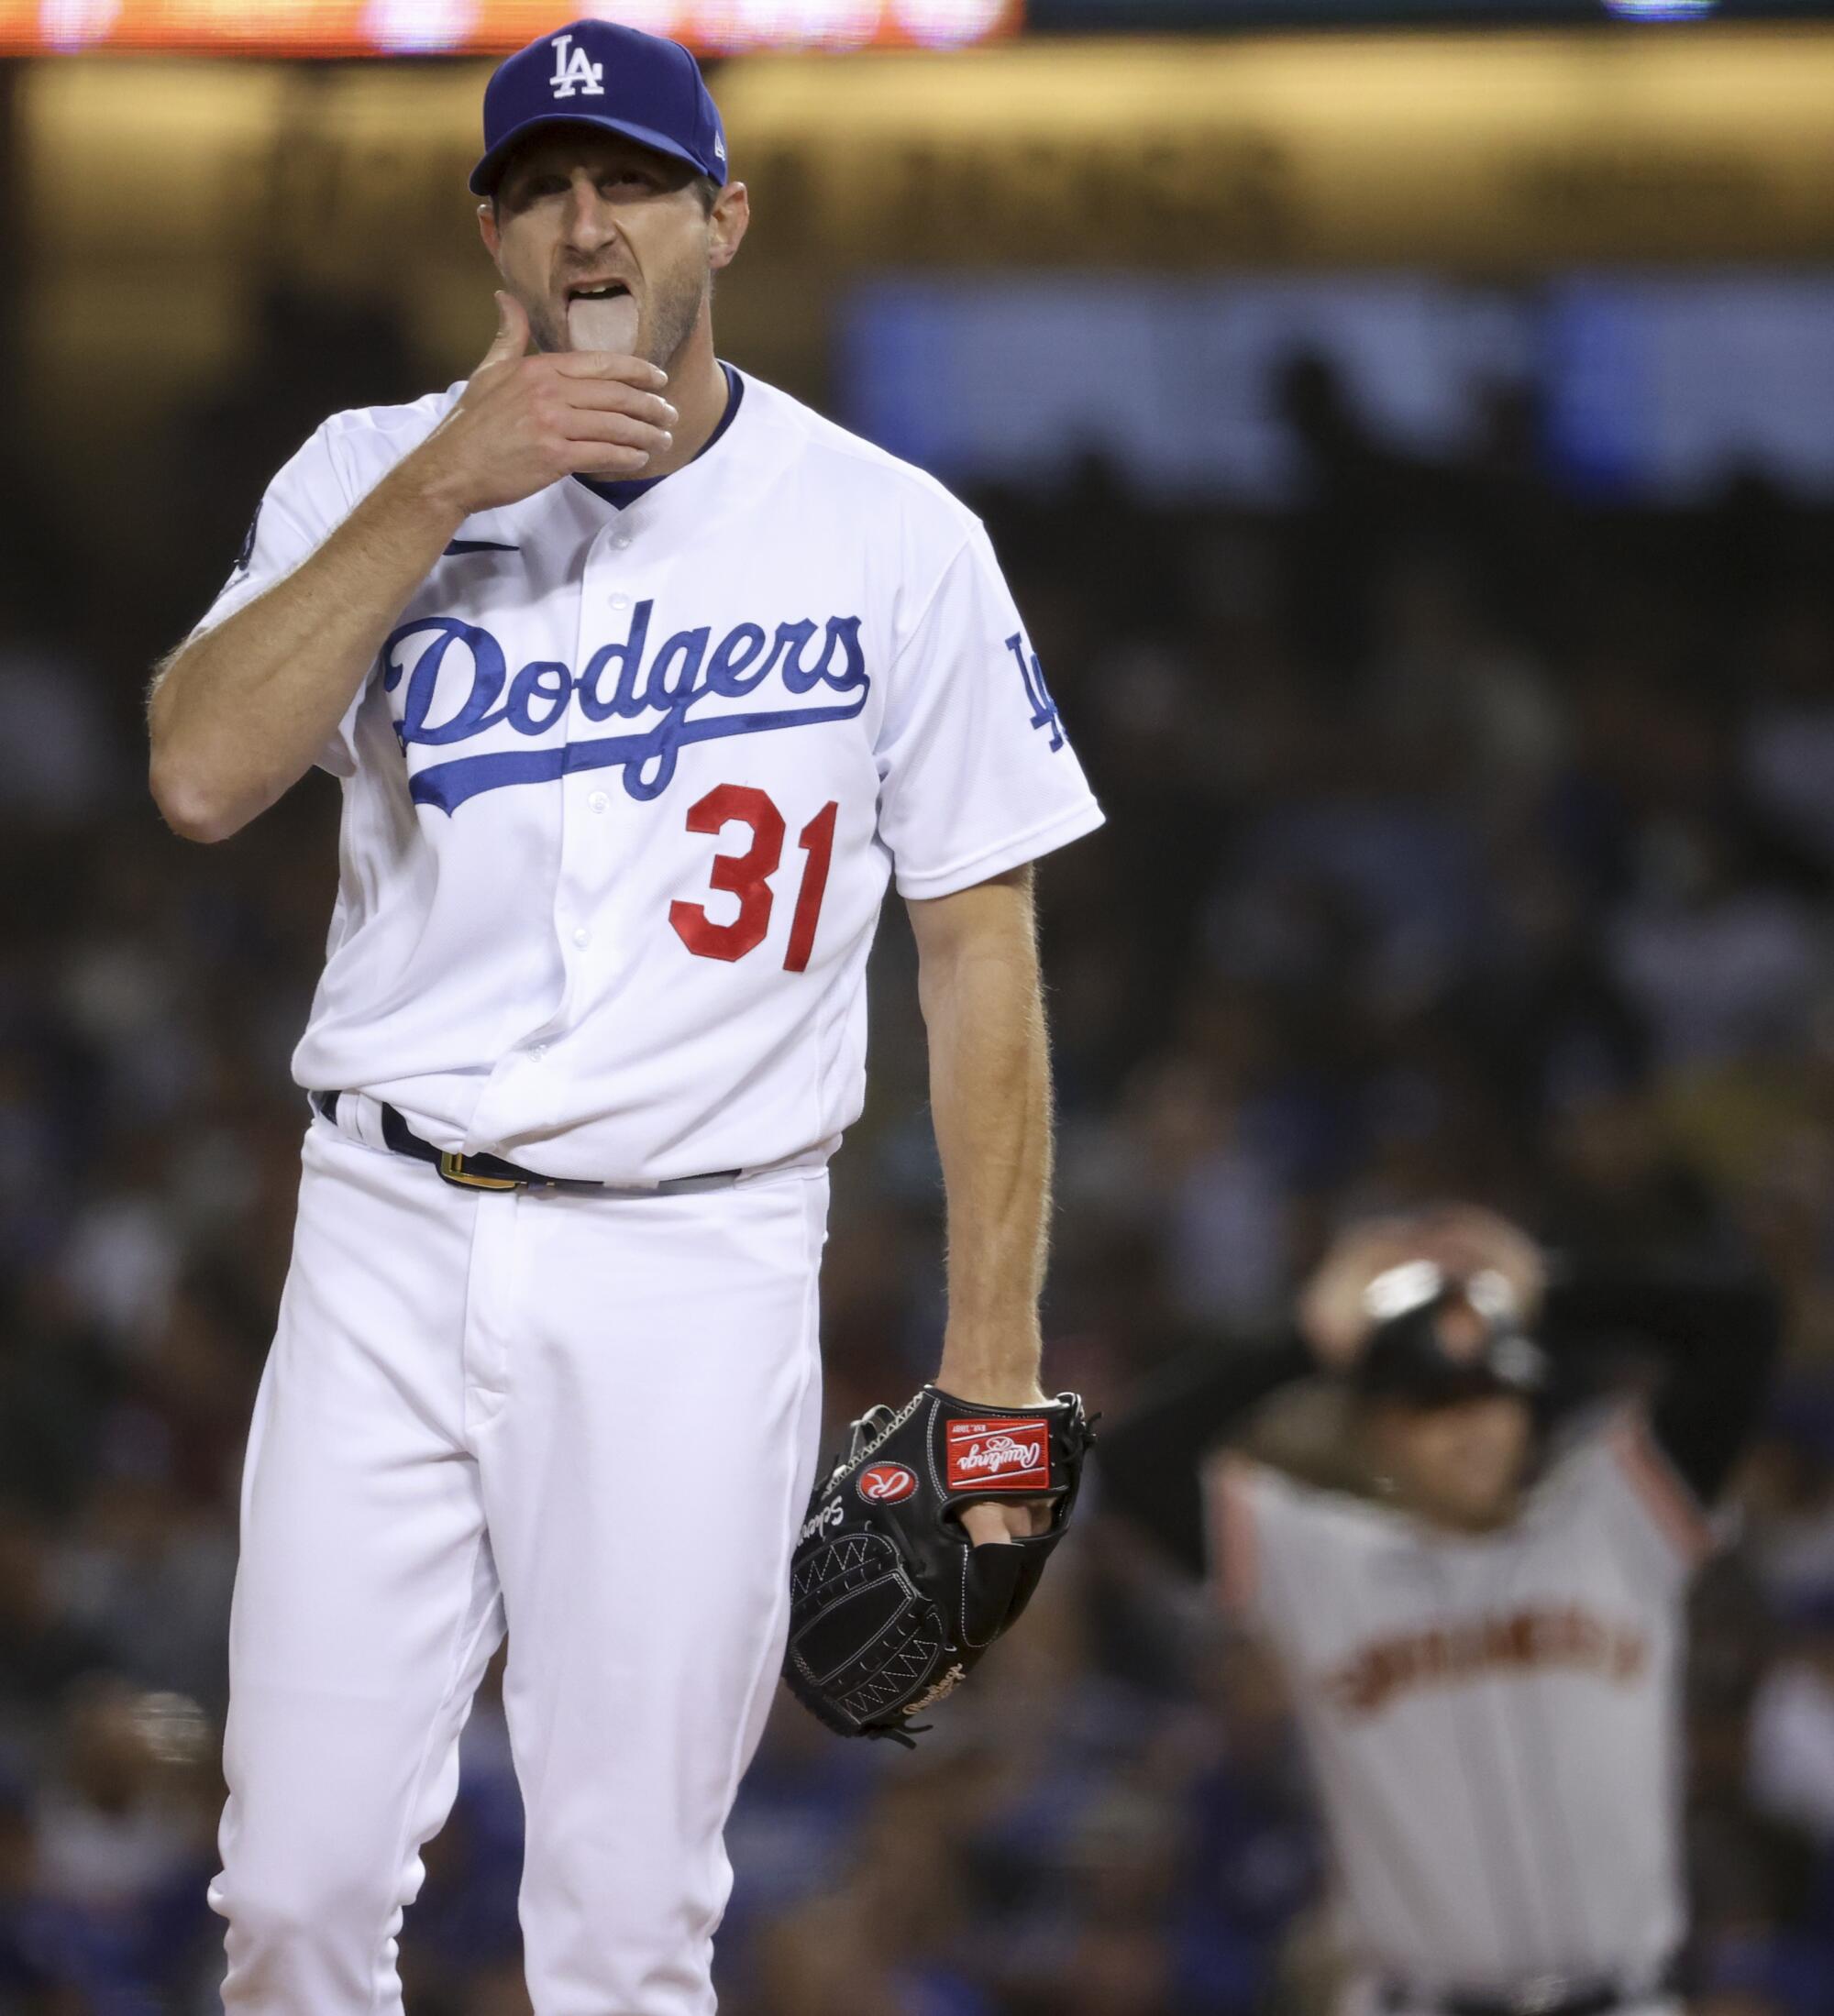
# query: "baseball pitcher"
(641, 681)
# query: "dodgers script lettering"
(449, 684)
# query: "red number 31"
(747, 877)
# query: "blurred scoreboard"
(408, 28)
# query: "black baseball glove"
(892, 1605)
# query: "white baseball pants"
(595, 1417)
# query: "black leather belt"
(492, 1172)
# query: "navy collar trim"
(618, 495)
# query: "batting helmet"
(1440, 1337)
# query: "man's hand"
(1467, 1240)
(1462, 1240)
(1334, 1315)
(1000, 1526)
(996, 1525)
(526, 422)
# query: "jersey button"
(581, 936)
(621, 539)
(598, 802)
(621, 601)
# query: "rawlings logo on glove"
(892, 1605)
(997, 1455)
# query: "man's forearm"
(990, 1099)
(240, 715)
(1151, 1460)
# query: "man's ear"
(730, 217)
(486, 229)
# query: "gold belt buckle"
(452, 1167)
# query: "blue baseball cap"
(598, 73)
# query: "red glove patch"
(1003, 1455)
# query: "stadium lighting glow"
(948, 23)
(75, 24)
(765, 24)
(417, 27)
(654, 16)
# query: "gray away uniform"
(1494, 1721)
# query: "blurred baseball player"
(642, 681)
(1485, 1658)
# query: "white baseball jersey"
(1493, 1721)
(621, 797)
(625, 789)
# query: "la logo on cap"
(575, 70)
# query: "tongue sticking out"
(603, 324)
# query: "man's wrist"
(996, 1366)
(424, 488)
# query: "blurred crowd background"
(1472, 834)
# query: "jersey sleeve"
(975, 773)
(305, 502)
(1260, 1534)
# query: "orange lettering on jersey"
(1564, 1637)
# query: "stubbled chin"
(609, 326)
